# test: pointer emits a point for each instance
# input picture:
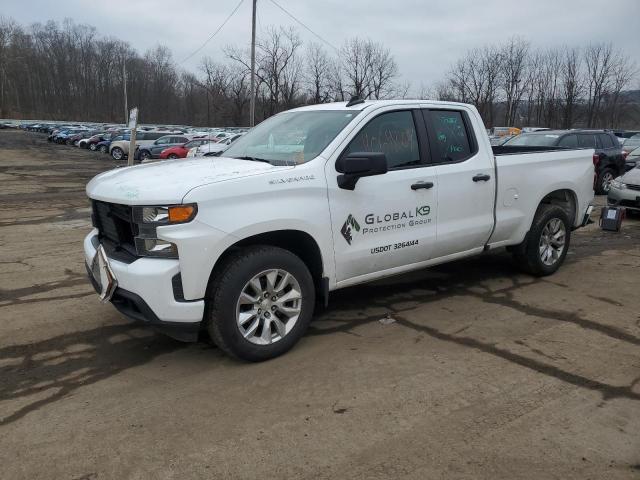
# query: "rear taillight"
(596, 159)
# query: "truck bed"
(510, 150)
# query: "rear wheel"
(92, 147)
(603, 183)
(546, 245)
(103, 149)
(259, 303)
(173, 156)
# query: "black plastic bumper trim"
(134, 307)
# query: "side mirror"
(355, 165)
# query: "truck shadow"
(465, 278)
(40, 373)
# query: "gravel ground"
(467, 370)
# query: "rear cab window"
(450, 135)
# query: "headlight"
(617, 184)
(148, 218)
(168, 215)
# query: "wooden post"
(133, 123)
(252, 103)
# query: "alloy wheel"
(269, 306)
(607, 177)
(552, 241)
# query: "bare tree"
(383, 72)
(572, 86)
(599, 59)
(514, 62)
(318, 74)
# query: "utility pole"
(252, 103)
(124, 83)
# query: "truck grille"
(633, 187)
(114, 224)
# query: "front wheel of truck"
(546, 245)
(260, 303)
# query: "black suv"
(608, 159)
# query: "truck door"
(466, 182)
(388, 220)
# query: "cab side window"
(392, 133)
(449, 135)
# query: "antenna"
(355, 100)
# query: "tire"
(529, 255)
(225, 309)
(117, 153)
(92, 147)
(103, 149)
(144, 155)
(173, 156)
(603, 181)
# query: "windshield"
(291, 137)
(534, 140)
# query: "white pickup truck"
(319, 198)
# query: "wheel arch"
(565, 198)
(298, 242)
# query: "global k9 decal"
(384, 222)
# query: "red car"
(180, 151)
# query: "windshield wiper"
(254, 159)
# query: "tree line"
(513, 84)
(67, 71)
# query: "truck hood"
(169, 181)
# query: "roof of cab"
(372, 103)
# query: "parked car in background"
(92, 142)
(181, 151)
(631, 143)
(215, 148)
(74, 139)
(155, 149)
(62, 136)
(504, 131)
(497, 141)
(633, 159)
(608, 159)
(104, 145)
(120, 149)
(624, 134)
(625, 191)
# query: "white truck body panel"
(238, 199)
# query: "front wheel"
(144, 155)
(173, 156)
(92, 147)
(260, 303)
(117, 153)
(546, 245)
(103, 149)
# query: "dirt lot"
(485, 373)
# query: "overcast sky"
(425, 36)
